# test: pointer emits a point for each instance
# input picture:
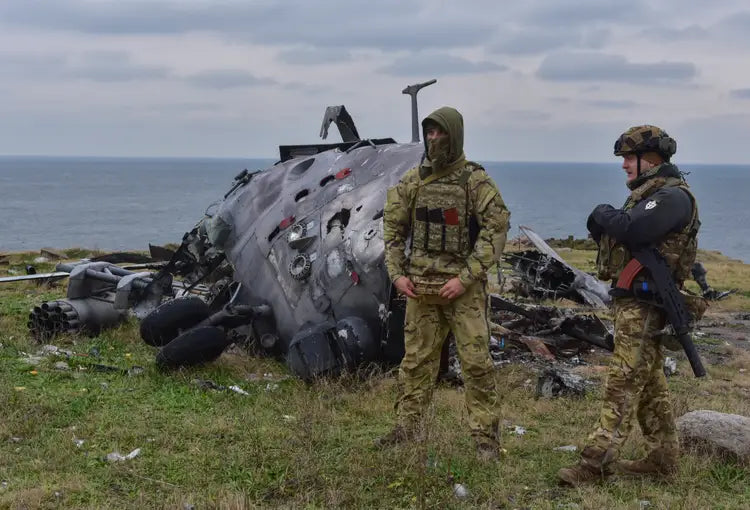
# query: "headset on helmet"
(646, 138)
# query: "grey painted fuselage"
(306, 235)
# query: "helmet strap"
(639, 164)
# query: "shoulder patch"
(650, 205)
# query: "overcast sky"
(554, 80)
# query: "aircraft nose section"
(330, 349)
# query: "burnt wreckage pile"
(531, 332)
(549, 339)
(549, 333)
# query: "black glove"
(594, 228)
(593, 224)
(600, 210)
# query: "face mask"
(437, 152)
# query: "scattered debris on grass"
(556, 381)
(670, 366)
(118, 457)
(566, 448)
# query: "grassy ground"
(292, 445)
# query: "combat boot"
(660, 462)
(487, 451)
(588, 470)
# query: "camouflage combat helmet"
(646, 138)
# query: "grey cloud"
(527, 115)
(595, 39)
(534, 41)
(390, 24)
(312, 56)
(616, 104)
(587, 12)
(184, 107)
(530, 42)
(734, 28)
(614, 68)
(137, 17)
(31, 65)
(559, 99)
(737, 23)
(688, 33)
(713, 138)
(117, 74)
(434, 64)
(304, 87)
(227, 78)
(94, 66)
(114, 67)
(740, 93)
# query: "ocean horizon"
(116, 203)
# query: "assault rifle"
(667, 296)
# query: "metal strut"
(412, 90)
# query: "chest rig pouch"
(441, 214)
(678, 248)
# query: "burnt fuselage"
(306, 236)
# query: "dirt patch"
(721, 328)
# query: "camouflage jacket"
(429, 265)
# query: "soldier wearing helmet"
(452, 215)
(660, 211)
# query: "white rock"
(460, 491)
(727, 433)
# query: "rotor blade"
(41, 276)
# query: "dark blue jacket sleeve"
(667, 210)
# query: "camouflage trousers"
(426, 328)
(636, 386)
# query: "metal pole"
(412, 90)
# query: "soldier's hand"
(594, 228)
(405, 286)
(452, 289)
(600, 209)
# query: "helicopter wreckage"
(290, 263)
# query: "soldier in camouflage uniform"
(661, 211)
(456, 221)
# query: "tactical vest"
(441, 213)
(677, 248)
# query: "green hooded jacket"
(428, 268)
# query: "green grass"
(292, 445)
